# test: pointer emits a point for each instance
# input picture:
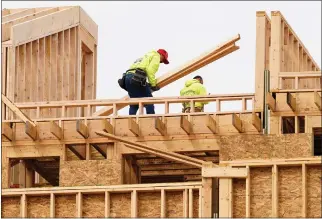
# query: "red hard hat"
(165, 55)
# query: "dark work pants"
(137, 91)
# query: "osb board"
(65, 206)
(290, 191)
(10, 207)
(174, 204)
(38, 206)
(90, 172)
(120, 205)
(149, 204)
(261, 192)
(243, 147)
(4, 174)
(239, 198)
(274, 127)
(94, 205)
(314, 191)
(195, 203)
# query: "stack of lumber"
(199, 62)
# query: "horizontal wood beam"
(212, 124)
(160, 126)
(6, 131)
(82, 129)
(291, 101)
(317, 100)
(31, 130)
(224, 172)
(151, 150)
(195, 171)
(257, 123)
(186, 125)
(56, 130)
(134, 127)
(271, 102)
(237, 123)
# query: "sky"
(128, 30)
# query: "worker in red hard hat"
(134, 80)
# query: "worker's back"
(193, 87)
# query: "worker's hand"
(155, 88)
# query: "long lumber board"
(195, 64)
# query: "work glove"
(155, 88)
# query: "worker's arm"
(152, 68)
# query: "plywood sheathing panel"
(195, 204)
(4, 171)
(239, 198)
(120, 205)
(314, 201)
(261, 192)
(93, 205)
(149, 204)
(38, 207)
(65, 206)
(243, 147)
(290, 191)
(174, 204)
(10, 207)
(90, 172)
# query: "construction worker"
(194, 87)
(134, 81)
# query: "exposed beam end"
(212, 124)
(56, 130)
(31, 130)
(82, 129)
(317, 100)
(237, 123)
(271, 102)
(257, 123)
(291, 101)
(160, 126)
(185, 125)
(107, 127)
(134, 127)
(7, 131)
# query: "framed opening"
(317, 141)
(288, 124)
(301, 124)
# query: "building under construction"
(63, 158)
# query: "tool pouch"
(121, 81)
(139, 78)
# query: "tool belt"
(139, 77)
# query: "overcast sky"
(127, 30)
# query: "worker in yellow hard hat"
(134, 81)
(194, 87)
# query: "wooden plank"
(248, 194)
(47, 75)
(31, 130)
(185, 125)
(160, 126)
(212, 124)
(79, 203)
(206, 197)
(224, 172)
(276, 49)
(6, 131)
(275, 189)
(16, 15)
(155, 151)
(56, 130)
(107, 126)
(291, 101)
(72, 69)
(134, 204)
(163, 204)
(52, 205)
(107, 205)
(304, 191)
(53, 23)
(256, 121)
(317, 100)
(34, 73)
(271, 102)
(53, 67)
(185, 195)
(225, 198)
(23, 206)
(206, 58)
(89, 25)
(190, 215)
(237, 123)
(82, 129)
(134, 127)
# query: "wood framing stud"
(225, 197)
(56, 130)
(6, 131)
(237, 123)
(52, 205)
(271, 102)
(257, 123)
(206, 197)
(107, 204)
(291, 101)
(23, 206)
(317, 100)
(163, 204)
(224, 172)
(31, 130)
(212, 124)
(160, 126)
(185, 125)
(134, 204)
(134, 127)
(107, 126)
(82, 129)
